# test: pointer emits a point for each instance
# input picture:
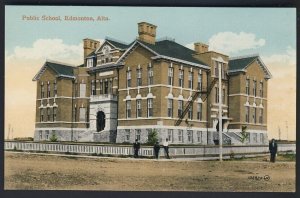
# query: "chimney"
(147, 32)
(200, 48)
(89, 45)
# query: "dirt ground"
(29, 171)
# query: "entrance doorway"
(100, 121)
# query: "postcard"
(150, 98)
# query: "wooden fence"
(147, 151)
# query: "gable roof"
(169, 50)
(240, 64)
(61, 69)
(112, 43)
(174, 50)
(117, 44)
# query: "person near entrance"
(136, 148)
(273, 150)
(156, 148)
(166, 148)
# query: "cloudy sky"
(271, 32)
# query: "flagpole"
(220, 113)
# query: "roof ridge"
(243, 56)
(165, 38)
(61, 63)
(115, 40)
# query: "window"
(150, 76)
(138, 108)
(110, 90)
(254, 137)
(48, 90)
(76, 90)
(254, 87)
(101, 87)
(181, 77)
(150, 107)
(89, 62)
(199, 81)
(170, 135)
(223, 71)
(148, 133)
(138, 134)
(75, 114)
(190, 135)
(180, 106)
(82, 90)
(223, 96)
(261, 113)
(199, 111)
(261, 89)
(127, 135)
(128, 109)
(170, 76)
(247, 86)
(170, 108)
(55, 88)
(48, 114)
(106, 87)
(262, 140)
(139, 77)
(128, 78)
(216, 69)
(254, 115)
(190, 114)
(217, 95)
(191, 79)
(93, 88)
(247, 114)
(47, 135)
(82, 114)
(180, 135)
(40, 135)
(41, 114)
(199, 136)
(42, 91)
(54, 113)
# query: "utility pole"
(279, 133)
(220, 112)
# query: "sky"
(270, 32)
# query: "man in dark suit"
(273, 150)
(136, 148)
(156, 148)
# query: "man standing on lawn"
(166, 147)
(273, 150)
(136, 148)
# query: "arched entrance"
(100, 121)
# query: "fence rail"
(147, 151)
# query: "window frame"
(138, 108)
(150, 107)
(170, 107)
(128, 109)
(170, 75)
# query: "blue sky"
(277, 26)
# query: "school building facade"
(124, 91)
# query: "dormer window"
(89, 62)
